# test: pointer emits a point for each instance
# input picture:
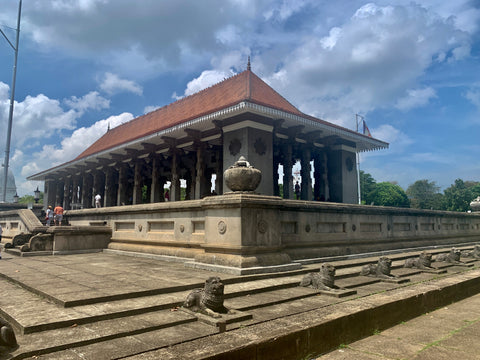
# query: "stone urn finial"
(241, 176)
(475, 205)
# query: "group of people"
(55, 214)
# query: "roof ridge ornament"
(249, 68)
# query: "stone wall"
(243, 230)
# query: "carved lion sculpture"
(323, 280)
(381, 269)
(209, 300)
(7, 335)
(452, 257)
(424, 261)
(475, 253)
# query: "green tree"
(388, 194)
(459, 195)
(425, 194)
(367, 186)
(26, 199)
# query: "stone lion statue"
(424, 261)
(323, 280)
(452, 257)
(381, 269)
(209, 300)
(7, 335)
(475, 253)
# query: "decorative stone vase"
(475, 205)
(242, 176)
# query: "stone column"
(200, 189)
(156, 189)
(109, 197)
(325, 177)
(67, 195)
(317, 176)
(287, 173)
(74, 189)
(49, 193)
(175, 187)
(219, 173)
(137, 183)
(306, 189)
(87, 191)
(98, 185)
(276, 186)
(59, 192)
(122, 185)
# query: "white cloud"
(207, 78)
(92, 100)
(113, 84)
(150, 108)
(70, 147)
(37, 117)
(473, 96)
(368, 62)
(416, 98)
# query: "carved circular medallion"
(260, 147)
(307, 228)
(262, 226)
(182, 228)
(349, 164)
(235, 146)
(354, 227)
(222, 227)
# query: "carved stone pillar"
(317, 176)
(109, 198)
(156, 189)
(98, 185)
(325, 177)
(74, 199)
(122, 185)
(87, 191)
(287, 173)
(67, 194)
(200, 183)
(59, 192)
(137, 183)
(219, 173)
(276, 187)
(175, 187)
(306, 189)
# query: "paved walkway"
(451, 333)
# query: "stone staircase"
(80, 307)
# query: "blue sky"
(411, 69)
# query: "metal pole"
(12, 100)
(358, 165)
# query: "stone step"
(106, 330)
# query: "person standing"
(297, 190)
(98, 197)
(58, 211)
(49, 215)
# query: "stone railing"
(244, 230)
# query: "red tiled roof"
(245, 86)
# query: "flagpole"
(358, 163)
(12, 101)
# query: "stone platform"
(109, 306)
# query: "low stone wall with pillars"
(246, 231)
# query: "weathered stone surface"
(242, 176)
(381, 269)
(424, 261)
(41, 242)
(209, 300)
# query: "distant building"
(203, 134)
(11, 188)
